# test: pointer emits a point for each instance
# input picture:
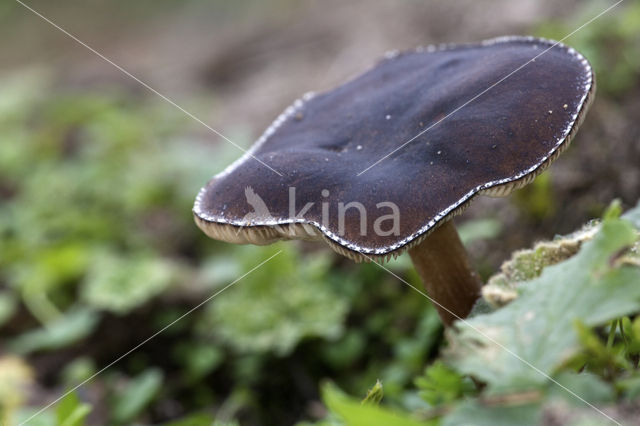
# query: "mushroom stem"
(441, 260)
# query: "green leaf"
(199, 419)
(137, 395)
(68, 329)
(442, 385)
(354, 413)
(589, 386)
(596, 355)
(70, 411)
(473, 413)
(613, 211)
(537, 327)
(374, 395)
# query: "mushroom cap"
(489, 117)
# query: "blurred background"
(98, 249)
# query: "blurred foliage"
(353, 413)
(375, 394)
(479, 229)
(71, 411)
(611, 42)
(129, 401)
(99, 253)
(537, 198)
(15, 378)
(442, 385)
(71, 282)
(251, 321)
(75, 325)
(120, 284)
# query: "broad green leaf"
(70, 411)
(589, 386)
(537, 327)
(354, 413)
(473, 413)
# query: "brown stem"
(441, 260)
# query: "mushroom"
(381, 164)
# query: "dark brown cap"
(482, 118)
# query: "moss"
(527, 264)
